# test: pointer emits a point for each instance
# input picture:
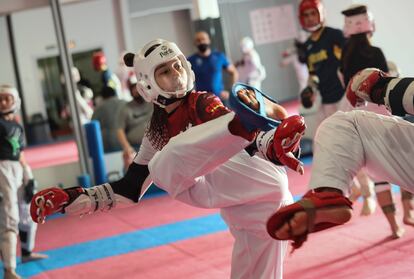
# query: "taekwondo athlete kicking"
(205, 155)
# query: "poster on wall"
(273, 24)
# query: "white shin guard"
(97, 198)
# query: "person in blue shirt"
(208, 66)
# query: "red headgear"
(98, 60)
(310, 4)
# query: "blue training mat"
(251, 119)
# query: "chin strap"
(163, 101)
(314, 28)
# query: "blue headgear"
(251, 119)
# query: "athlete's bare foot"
(398, 233)
(408, 220)
(11, 274)
(368, 207)
(34, 257)
(248, 97)
(299, 222)
(273, 110)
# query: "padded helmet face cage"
(311, 4)
(358, 23)
(10, 90)
(146, 63)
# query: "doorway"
(59, 121)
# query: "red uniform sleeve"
(205, 107)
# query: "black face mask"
(203, 47)
(138, 99)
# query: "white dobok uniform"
(11, 177)
(347, 141)
(206, 166)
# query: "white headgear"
(6, 89)
(246, 44)
(358, 20)
(159, 51)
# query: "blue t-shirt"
(209, 71)
(323, 59)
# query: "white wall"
(174, 26)
(10, 6)
(394, 22)
(333, 9)
(89, 25)
(280, 82)
(6, 66)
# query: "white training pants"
(11, 177)
(347, 141)
(207, 167)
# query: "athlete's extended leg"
(383, 143)
(338, 156)
(194, 153)
(375, 86)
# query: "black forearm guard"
(29, 190)
(130, 185)
(396, 97)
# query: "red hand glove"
(50, 201)
(286, 140)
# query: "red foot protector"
(310, 202)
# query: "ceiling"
(12, 6)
